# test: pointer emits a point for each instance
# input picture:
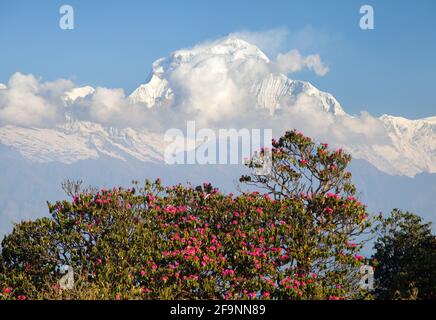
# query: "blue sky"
(391, 69)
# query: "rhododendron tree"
(327, 215)
(156, 242)
(301, 167)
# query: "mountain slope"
(75, 140)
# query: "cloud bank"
(27, 101)
(217, 83)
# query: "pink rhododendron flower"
(358, 258)
(7, 290)
(229, 272)
(328, 210)
(170, 209)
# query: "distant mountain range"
(34, 160)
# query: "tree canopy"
(405, 252)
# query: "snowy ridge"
(76, 140)
(415, 143)
(271, 90)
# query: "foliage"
(406, 258)
(302, 167)
(313, 175)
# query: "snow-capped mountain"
(77, 93)
(414, 141)
(269, 90)
(75, 140)
(411, 149)
(154, 92)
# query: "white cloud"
(270, 41)
(293, 61)
(27, 101)
(110, 107)
(107, 104)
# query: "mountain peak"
(229, 61)
(152, 92)
(78, 93)
(230, 47)
(238, 48)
